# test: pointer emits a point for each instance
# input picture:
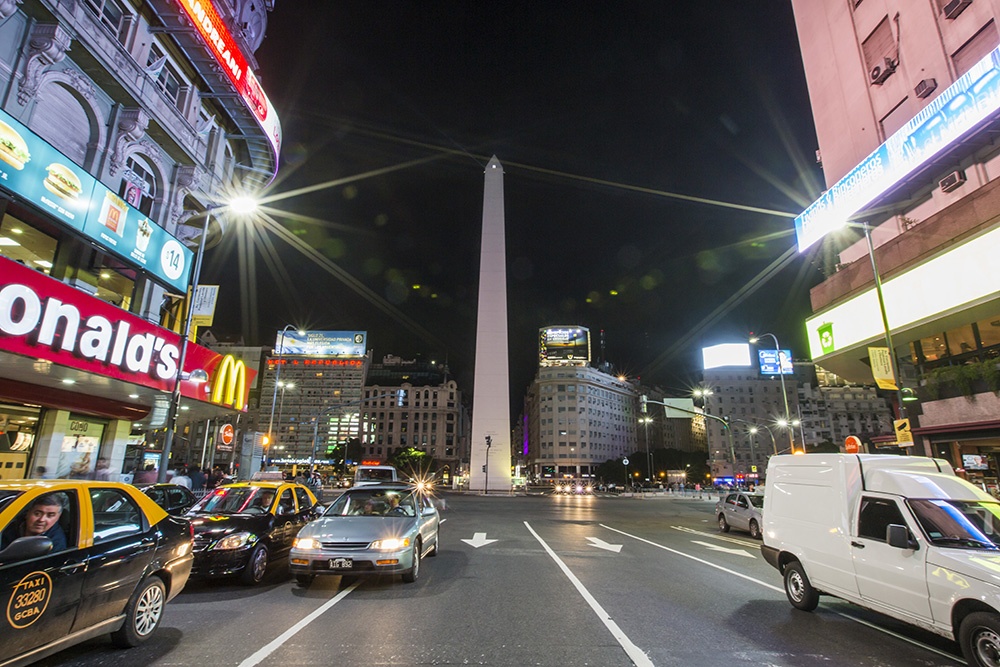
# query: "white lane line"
(914, 642)
(635, 654)
(717, 536)
(259, 656)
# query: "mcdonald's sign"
(229, 384)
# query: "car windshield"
(964, 524)
(757, 501)
(373, 502)
(374, 475)
(7, 496)
(236, 500)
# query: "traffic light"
(265, 441)
(484, 467)
(642, 403)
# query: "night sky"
(600, 113)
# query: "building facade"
(121, 123)
(417, 404)
(906, 103)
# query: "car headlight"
(306, 543)
(391, 544)
(234, 541)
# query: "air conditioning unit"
(954, 8)
(925, 87)
(880, 73)
(952, 181)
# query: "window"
(879, 45)
(111, 14)
(167, 79)
(26, 245)
(989, 330)
(115, 514)
(961, 340)
(303, 498)
(976, 48)
(286, 505)
(876, 515)
(138, 186)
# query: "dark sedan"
(239, 528)
(81, 559)
(173, 498)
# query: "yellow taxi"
(79, 559)
(239, 528)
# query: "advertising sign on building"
(34, 170)
(321, 343)
(775, 362)
(974, 97)
(559, 345)
(727, 354)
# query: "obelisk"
(489, 458)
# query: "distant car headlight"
(391, 544)
(579, 489)
(234, 541)
(306, 543)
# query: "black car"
(174, 498)
(239, 528)
(80, 559)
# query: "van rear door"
(888, 576)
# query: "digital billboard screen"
(770, 364)
(558, 345)
(321, 343)
(727, 354)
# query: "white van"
(901, 535)
(365, 475)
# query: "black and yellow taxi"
(239, 528)
(79, 559)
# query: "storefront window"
(105, 278)
(961, 340)
(989, 331)
(933, 348)
(26, 244)
(80, 448)
(18, 427)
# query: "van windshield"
(374, 475)
(962, 524)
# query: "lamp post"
(753, 429)
(277, 377)
(724, 420)
(649, 459)
(784, 394)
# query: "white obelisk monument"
(489, 459)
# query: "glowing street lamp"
(784, 394)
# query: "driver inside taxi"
(263, 499)
(41, 518)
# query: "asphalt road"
(555, 581)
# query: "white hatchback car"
(741, 510)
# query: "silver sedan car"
(741, 510)
(369, 530)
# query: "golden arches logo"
(229, 387)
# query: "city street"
(536, 580)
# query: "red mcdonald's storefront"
(78, 375)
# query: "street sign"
(852, 444)
(881, 362)
(904, 437)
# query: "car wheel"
(411, 575)
(437, 543)
(253, 572)
(754, 529)
(723, 526)
(979, 637)
(142, 614)
(798, 589)
(304, 579)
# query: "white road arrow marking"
(601, 544)
(478, 540)
(716, 547)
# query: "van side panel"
(806, 513)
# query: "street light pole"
(724, 420)
(277, 376)
(175, 396)
(784, 393)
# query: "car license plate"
(341, 563)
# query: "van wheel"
(723, 526)
(754, 529)
(979, 637)
(798, 589)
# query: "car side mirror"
(427, 511)
(24, 548)
(899, 537)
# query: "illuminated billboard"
(772, 363)
(321, 343)
(962, 277)
(974, 97)
(727, 354)
(563, 345)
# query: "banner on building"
(881, 362)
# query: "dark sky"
(599, 112)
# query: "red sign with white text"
(226, 434)
(46, 319)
